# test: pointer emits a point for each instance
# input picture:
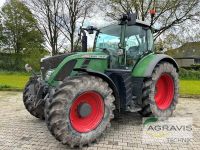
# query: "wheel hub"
(164, 91)
(87, 111)
(84, 110)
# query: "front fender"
(108, 80)
(145, 66)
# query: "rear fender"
(145, 67)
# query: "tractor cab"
(125, 44)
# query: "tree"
(19, 30)
(46, 12)
(1, 33)
(58, 20)
(74, 12)
(169, 13)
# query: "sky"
(2, 2)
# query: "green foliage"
(8, 61)
(193, 67)
(1, 32)
(3, 72)
(20, 28)
(189, 74)
(21, 40)
(20, 33)
(33, 58)
(4, 86)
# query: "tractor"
(78, 94)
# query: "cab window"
(136, 41)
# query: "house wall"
(185, 62)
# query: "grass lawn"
(17, 81)
(13, 81)
(189, 87)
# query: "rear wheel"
(29, 98)
(80, 110)
(160, 93)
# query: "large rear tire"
(160, 92)
(29, 98)
(80, 110)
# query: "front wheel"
(30, 98)
(80, 110)
(160, 92)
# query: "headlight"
(48, 74)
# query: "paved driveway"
(19, 130)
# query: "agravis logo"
(173, 129)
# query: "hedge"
(189, 74)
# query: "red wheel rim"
(164, 91)
(90, 122)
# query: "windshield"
(137, 41)
(108, 38)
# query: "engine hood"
(52, 62)
(65, 65)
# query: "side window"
(132, 45)
(131, 42)
(136, 43)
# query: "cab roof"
(138, 22)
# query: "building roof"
(187, 58)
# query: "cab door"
(137, 43)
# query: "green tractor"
(79, 93)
